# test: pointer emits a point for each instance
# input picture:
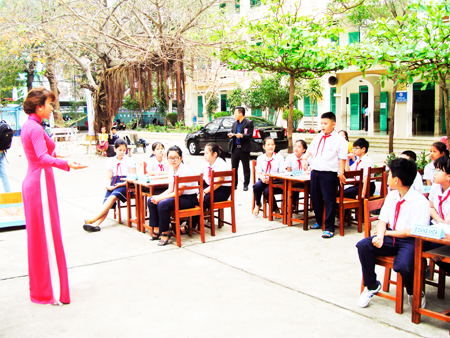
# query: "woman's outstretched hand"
(76, 165)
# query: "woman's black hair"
(304, 145)
(177, 149)
(443, 163)
(441, 147)
(154, 146)
(346, 134)
(214, 148)
(119, 142)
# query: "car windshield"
(260, 122)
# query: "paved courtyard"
(266, 280)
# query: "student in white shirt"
(160, 206)
(156, 164)
(402, 208)
(418, 181)
(118, 167)
(294, 160)
(437, 150)
(268, 163)
(362, 161)
(329, 151)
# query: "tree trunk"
(51, 76)
(30, 74)
(447, 109)
(391, 117)
(291, 112)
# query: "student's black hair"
(362, 143)
(346, 134)
(119, 142)
(265, 141)
(113, 128)
(329, 115)
(240, 109)
(441, 147)
(443, 163)
(177, 149)
(411, 154)
(404, 169)
(304, 145)
(154, 146)
(214, 148)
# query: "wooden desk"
(157, 184)
(419, 279)
(289, 182)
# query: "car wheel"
(193, 148)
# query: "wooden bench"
(64, 134)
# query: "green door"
(332, 100)
(257, 112)
(306, 106)
(354, 112)
(200, 106)
(383, 110)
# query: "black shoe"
(90, 228)
(245, 187)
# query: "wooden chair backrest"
(229, 177)
(187, 179)
(254, 171)
(368, 207)
(382, 178)
(145, 167)
(356, 178)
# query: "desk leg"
(418, 281)
(270, 201)
(128, 204)
(285, 202)
(305, 205)
(289, 203)
(138, 207)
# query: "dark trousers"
(403, 249)
(366, 123)
(352, 192)
(221, 194)
(323, 189)
(160, 213)
(243, 156)
(259, 188)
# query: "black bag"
(6, 135)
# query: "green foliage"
(222, 114)
(389, 158)
(172, 118)
(213, 104)
(298, 115)
(423, 160)
(236, 97)
(179, 124)
(131, 105)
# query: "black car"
(217, 131)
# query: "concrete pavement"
(267, 280)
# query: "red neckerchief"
(299, 164)
(269, 164)
(209, 174)
(441, 201)
(397, 212)
(324, 138)
(117, 172)
(161, 167)
(357, 164)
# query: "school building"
(417, 112)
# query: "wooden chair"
(345, 203)
(178, 213)
(229, 177)
(380, 175)
(386, 261)
(131, 195)
(264, 203)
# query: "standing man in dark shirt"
(241, 136)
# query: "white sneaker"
(423, 303)
(366, 295)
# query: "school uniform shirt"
(327, 151)
(292, 161)
(120, 168)
(365, 162)
(429, 171)
(154, 165)
(273, 166)
(436, 193)
(218, 165)
(183, 171)
(414, 210)
(418, 183)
